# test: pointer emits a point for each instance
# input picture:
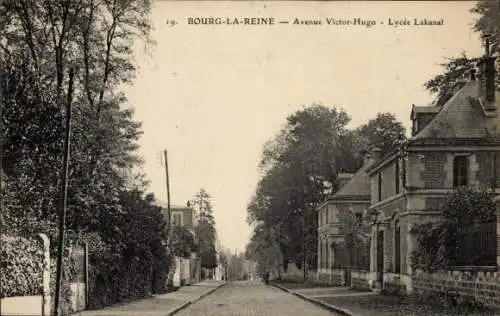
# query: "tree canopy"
(299, 170)
(486, 23)
(107, 205)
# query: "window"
(397, 248)
(379, 186)
(396, 177)
(177, 219)
(359, 219)
(460, 170)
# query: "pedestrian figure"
(266, 278)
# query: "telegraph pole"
(63, 196)
(168, 197)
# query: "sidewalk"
(159, 305)
(349, 302)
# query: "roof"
(358, 187)
(462, 116)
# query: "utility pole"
(168, 199)
(304, 271)
(63, 195)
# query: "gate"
(78, 278)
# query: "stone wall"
(360, 280)
(481, 286)
(333, 277)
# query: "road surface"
(247, 298)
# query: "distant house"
(219, 272)
(180, 216)
(343, 236)
(187, 270)
(456, 144)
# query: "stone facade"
(454, 144)
(428, 178)
(343, 232)
(410, 184)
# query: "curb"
(330, 307)
(186, 304)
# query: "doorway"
(380, 256)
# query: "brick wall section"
(484, 174)
(434, 175)
(483, 287)
(434, 203)
(388, 181)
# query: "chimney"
(486, 76)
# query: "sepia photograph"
(253, 158)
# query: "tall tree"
(265, 248)
(455, 69)
(384, 132)
(40, 41)
(300, 167)
(486, 23)
(205, 232)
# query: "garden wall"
(360, 279)
(25, 271)
(333, 277)
(480, 286)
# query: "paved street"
(158, 305)
(252, 298)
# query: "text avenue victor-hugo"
(394, 22)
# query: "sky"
(212, 95)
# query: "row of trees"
(107, 205)
(299, 167)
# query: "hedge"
(21, 266)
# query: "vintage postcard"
(249, 157)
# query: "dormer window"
(460, 171)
